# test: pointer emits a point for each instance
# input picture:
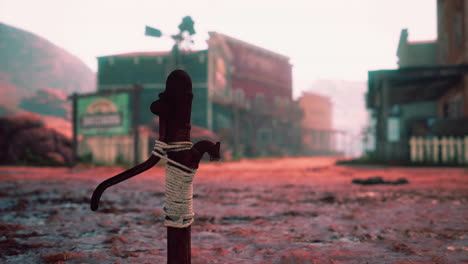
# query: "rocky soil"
(294, 210)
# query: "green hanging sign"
(103, 115)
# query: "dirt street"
(292, 210)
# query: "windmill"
(182, 40)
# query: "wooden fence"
(444, 150)
(110, 150)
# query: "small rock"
(116, 239)
(402, 248)
(328, 198)
(105, 224)
(379, 180)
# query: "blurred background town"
(252, 95)
(343, 128)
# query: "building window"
(264, 137)
(222, 121)
(259, 99)
(393, 129)
(201, 58)
(443, 47)
(276, 100)
(453, 108)
(458, 22)
(239, 96)
(248, 105)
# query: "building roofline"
(422, 42)
(309, 93)
(145, 54)
(420, 68)
(250, 45)
(403, 42)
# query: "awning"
(415, 84)
(423, 89)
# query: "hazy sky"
(335, 39)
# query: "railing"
(444, 150)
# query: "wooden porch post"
(136, 122)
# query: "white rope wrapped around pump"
(179, 188)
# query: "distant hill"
(48, 102)
(36, 75)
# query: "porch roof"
(414, 84)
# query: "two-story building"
(318, 135)
(428, 94)
(242, 92)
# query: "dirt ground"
(292, 210)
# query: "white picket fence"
(444, 150)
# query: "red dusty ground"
(294, 210)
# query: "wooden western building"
(242, 92)
(318, 135)
(427, 95)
